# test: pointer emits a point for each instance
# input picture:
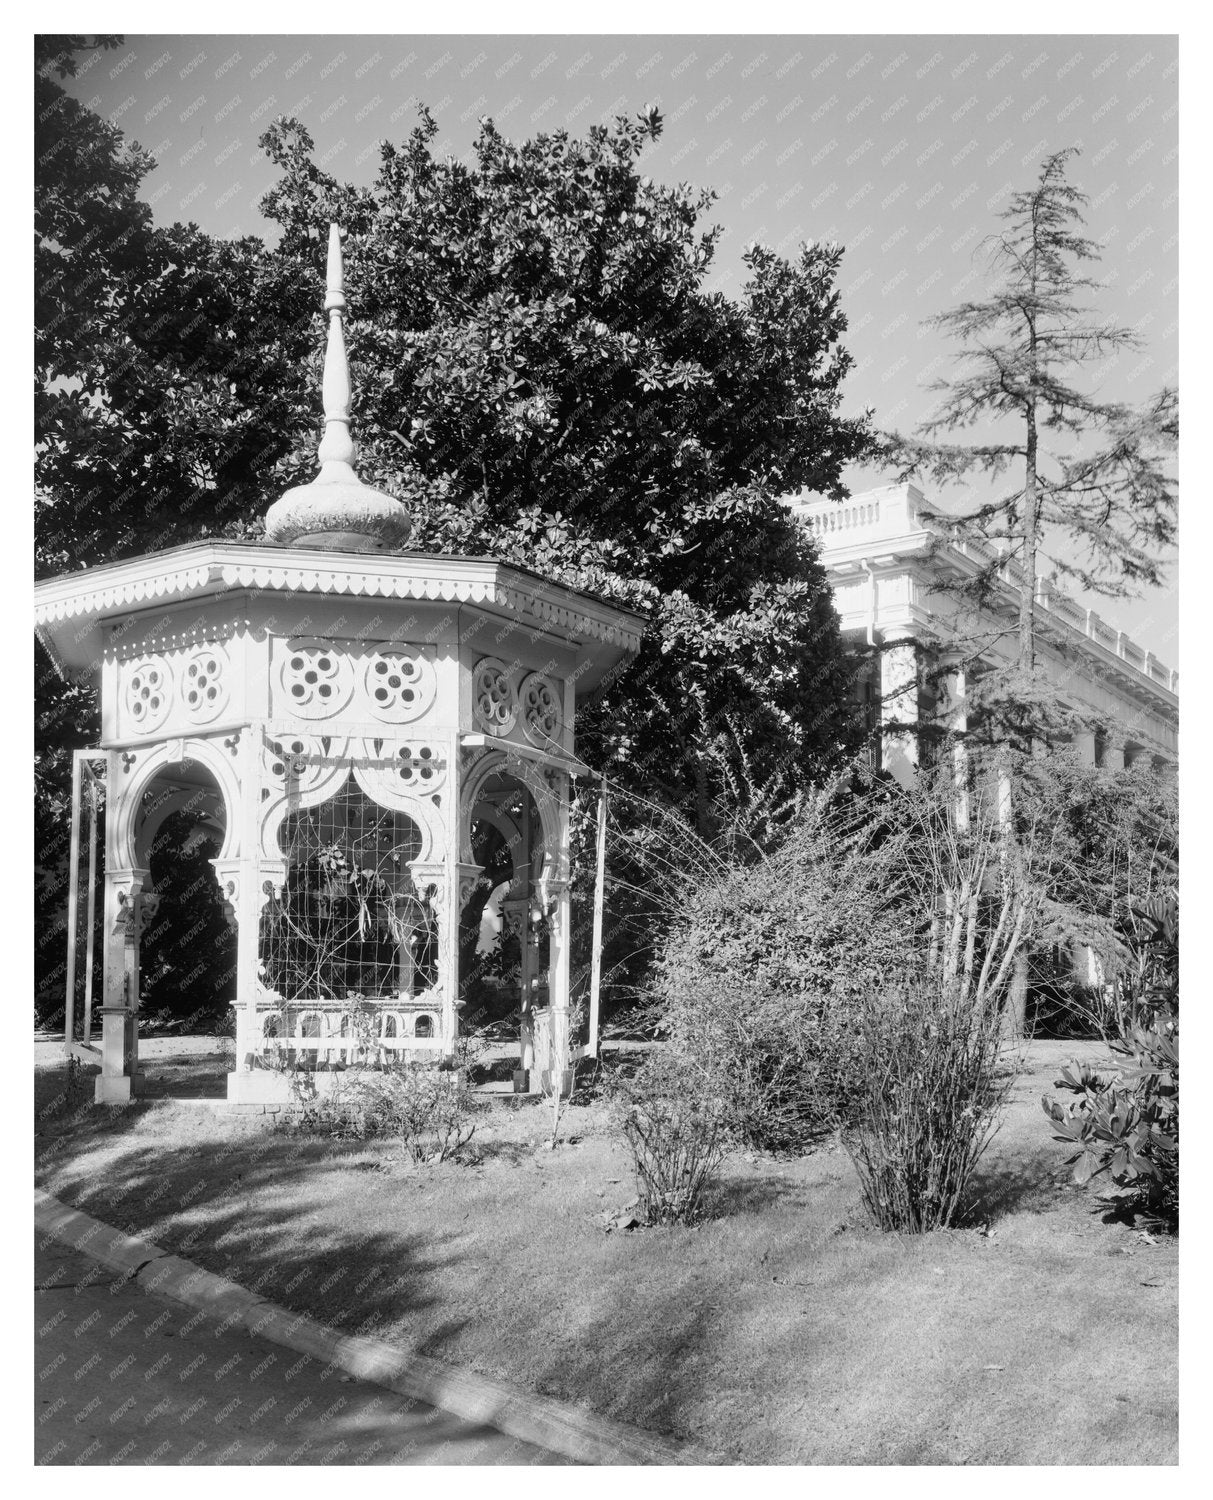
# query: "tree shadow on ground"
(514, 1153)
(734, 1197)
(993, 1192)
(234, 1205)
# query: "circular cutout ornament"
(148, 694)
(316, 680)
(542, 716)
(204, 684)
(400, 685)
(495, 703)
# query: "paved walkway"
(122, 1377)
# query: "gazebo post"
(560, 922)
(126, 909)
(242, 882)
(91, 907)
(516, 919)
(73, 898)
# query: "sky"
(902, 148)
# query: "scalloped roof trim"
(366, 582)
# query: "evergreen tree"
(1091, 482)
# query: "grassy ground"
(785, 1330)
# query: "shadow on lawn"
(737, 1196)
(996, 1191)
(235, 1205)
(236, 1201)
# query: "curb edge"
(562, 1428)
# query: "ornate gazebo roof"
(78, 616)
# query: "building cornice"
(893, 530)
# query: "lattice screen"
(349, 923)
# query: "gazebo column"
(245, 882)
(406, 960)
(463, 884)
(443, 885)
(516, 919)
(241, 883)
(554, 895)
(127, 910)
(560, 922)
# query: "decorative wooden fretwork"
(400, 684)
(204, 684)
(316, 679)
(542, 717)
(148, 694)
(494, 700)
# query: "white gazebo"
(343, 716)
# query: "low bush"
(677, 1130)
(428, 1111)
(935, 1076)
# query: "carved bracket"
(129, 911)
(228, 874)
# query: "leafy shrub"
(1126, 1122)
(677, 1131)
(767, 976)
(762, 974)
(933, 1064)
(1113, 845)
(429, 1111)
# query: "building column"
(955, 713)
(899, 684)
(1084, 744)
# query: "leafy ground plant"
(429, 1111)
(1125, 1122)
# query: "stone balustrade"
(901, 512)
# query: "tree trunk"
(1016, 1009)
(1031, 525)
(1017, 999)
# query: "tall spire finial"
(336, 511)
(336, 446)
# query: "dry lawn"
(785, 1330)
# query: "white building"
(891, 563)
